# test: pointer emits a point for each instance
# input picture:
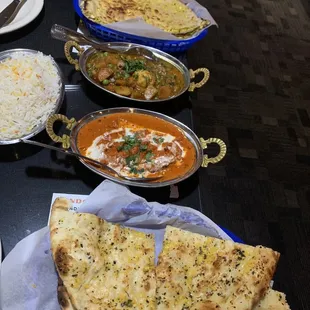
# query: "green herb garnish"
(134, 65)
(143, 147)
(132, 160)
(158, 140)
(133, 170)
(129, 143)
(148, 156)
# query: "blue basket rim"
(232, 235)
(135, 37)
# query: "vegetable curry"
(135, 76)
(137, 145)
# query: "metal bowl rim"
(187, 131)
(165, 56)
(59, 100)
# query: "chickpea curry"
(137, 145)
(135, 76)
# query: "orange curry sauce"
(144, 153)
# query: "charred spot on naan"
(63, 296)
(63, 260)
(61, 204)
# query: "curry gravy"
(135, 76)
(141, 144)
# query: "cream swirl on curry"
(136, 144)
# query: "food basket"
(110, 35)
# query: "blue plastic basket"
(232, 236)
(110, 35)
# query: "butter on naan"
(100, 265)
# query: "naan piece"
(273, 300)
(169, 15)
(100, 265)
(198, 272)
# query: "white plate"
(28, 12)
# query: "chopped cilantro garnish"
(133, 170)
(143, 147)
(131, 160)
(158, 140)
(129, 143)
(134, 65)
(148, 156)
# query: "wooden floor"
(258, 101)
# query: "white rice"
(29, 89)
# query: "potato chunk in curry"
(135, 76)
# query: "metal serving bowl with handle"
(40, 126)
(188, 74)
(67, 141)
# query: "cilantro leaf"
(129, 143)
(143, 147)
(149, 156)
(132, 160)
(134, 65)
(158, 140)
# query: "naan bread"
(105, 266)
(169, 15)
(100, 265)
(273, 300)
(197, 272)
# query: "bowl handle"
(67, 48)
(65, 139)
(213, 160)
(192, 74)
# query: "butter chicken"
(137, 145)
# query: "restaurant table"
(30, 175)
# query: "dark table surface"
(257, 101)
(31, 175)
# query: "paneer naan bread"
(100, 265)
(169, 15)
(273, 300)
(198, 272)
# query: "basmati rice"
(29, 90)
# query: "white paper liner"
(28, 277)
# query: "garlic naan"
(169, 15)
(198, 272)
(100, 265)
